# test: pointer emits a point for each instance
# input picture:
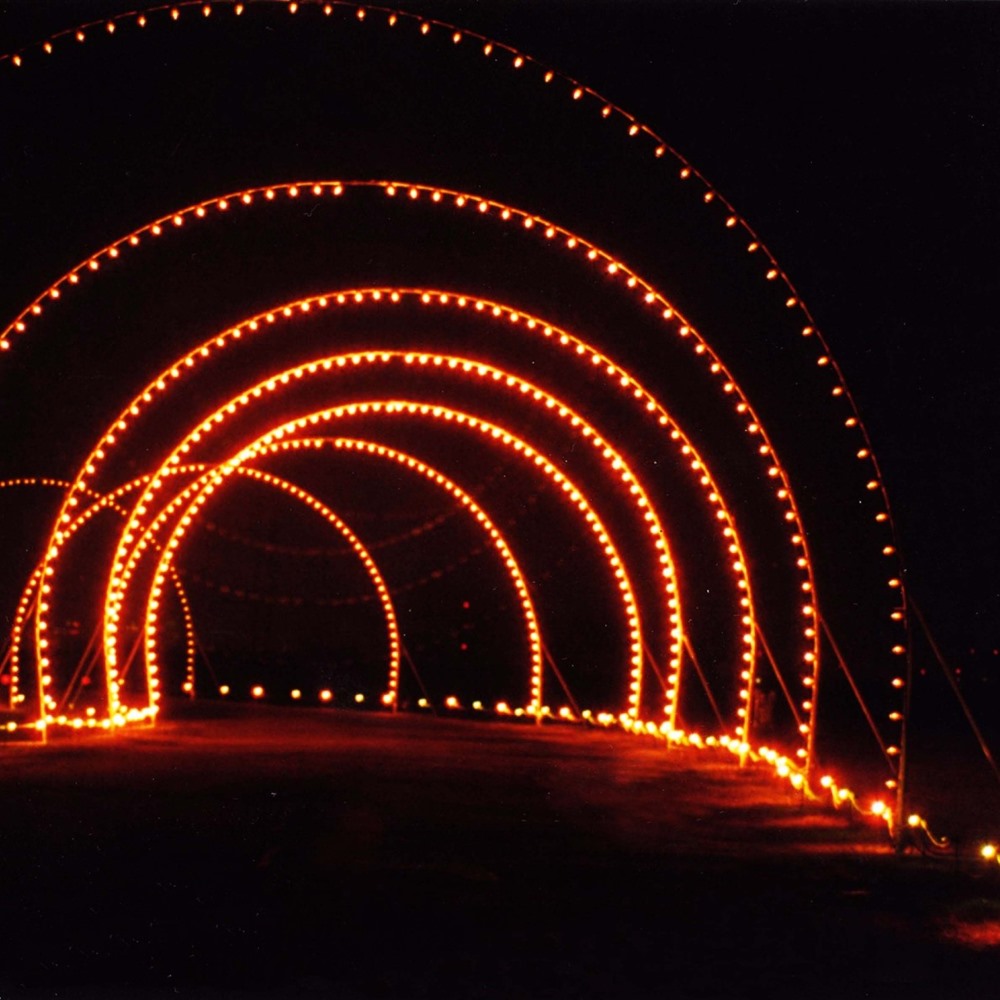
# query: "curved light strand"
(119, 581)
(46, 704)
(615, 463)
(515, 320)
(215, 478)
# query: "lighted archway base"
(31, 592)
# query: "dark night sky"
(861, 141)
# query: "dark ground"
(281, 852)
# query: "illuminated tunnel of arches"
(508, 314)
(713, 367)
(603, 178)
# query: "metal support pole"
(559, 677)
(416, 674)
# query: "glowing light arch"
(531, 393)
(216, 477)
(331, 518)
(620, 380)
(608, 110)
(31, 591)
(611, 267)
(493, 431)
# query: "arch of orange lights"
(615, 462)
(200, 490)
(213, 479)
(131, 551)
